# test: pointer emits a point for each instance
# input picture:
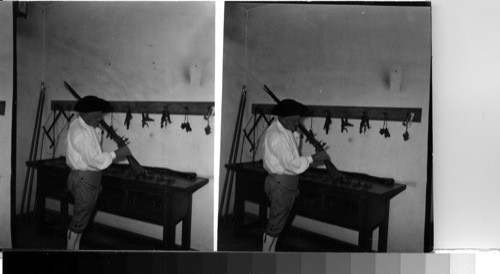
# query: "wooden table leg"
(365, 233)
(365, 240)
(168, 224)
(383, 230)
(186, 226)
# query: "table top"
(155, 176)
(349, 181)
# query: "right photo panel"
(326, 137)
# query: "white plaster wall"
(139, 51)
(6, 91)
(342, 55)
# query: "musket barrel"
(78, 97)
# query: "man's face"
(92, 118)
(290, 122)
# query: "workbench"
(356, 201)
(164, 197)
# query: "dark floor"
(97, 237)
(293, 240)
(101, 237)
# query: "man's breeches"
(282, 191)
(85, 187)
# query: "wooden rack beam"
(2, 107)
(174, 107)
(350, 112)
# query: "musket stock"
(332, 170)
(134, 164)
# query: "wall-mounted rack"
(174, 107)
(2, 107)
(351, 112)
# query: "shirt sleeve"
(288, 161)
(93, 157)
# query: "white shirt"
(83, 148)
(281, 153)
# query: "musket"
(134, 164)
(332, 170)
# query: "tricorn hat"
(92, 103)
(289, 107)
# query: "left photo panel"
(114, 126)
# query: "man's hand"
(123, 151)
(320, 156)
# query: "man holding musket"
(87, 160)
(283, 162)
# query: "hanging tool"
(344, 124)
(407, 123)
(385, 130)
(146, 119)
(186, 126)
(207, 117)
(207, 128)
(165, 117)
(209, 113)
(328, 122)
(409, 119)
(134, 164)
(365, 123)
(332, 170)
(406, 135)
(128, 117)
